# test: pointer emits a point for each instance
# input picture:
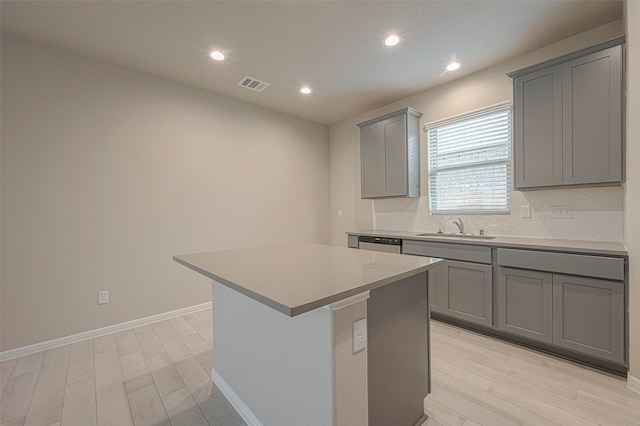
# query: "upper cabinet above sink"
(568, 120)
(390, 155)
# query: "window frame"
(508, 162)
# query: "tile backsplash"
(580, 214)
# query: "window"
(470, 163)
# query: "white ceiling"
(336, 47)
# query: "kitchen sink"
(456, 235)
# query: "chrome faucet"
(460, 225)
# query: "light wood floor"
(160, 375)
(482, 380)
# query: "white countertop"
(300, 277)
(607, 248)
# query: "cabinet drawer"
(448, 251)
(574, 264)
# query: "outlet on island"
(359, 335)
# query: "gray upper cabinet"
(568, 120)
(538, 128)
(390, 155)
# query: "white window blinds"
(470, 163)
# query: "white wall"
(107, 173)
(632, 9)
(598, 213)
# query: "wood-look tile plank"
(147, 407)
(165, 375)
(104, 343)
(207, 315)
(163, 329)
(183, 409)
(196, 344)
(16, 397)
(501, 407)
(617, 409)
(216, 409)
(108, 369)
(5, 372)
(469, 408)
(135, 371)
(113, 406)
(461, 374)
(48, 396)
(548, 411)
(181, 326)
(80, 402)
(176, 348)
(149, 342)
(127, 342)
(81, 362)
(195, 377)
(28, 363)
(57, 356)
(443, 414)
(14, 422)
(202, 327)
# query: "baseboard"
(49, 344)
(247, 415)
(633, 383)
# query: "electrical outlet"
(339, 213)
(525, 211)
(359, 337)
(103, 297)
(561, 212)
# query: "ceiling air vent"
(253, 84)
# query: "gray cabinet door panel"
(435, 288)
(588, 316)
(395, 154)
(372, 161)
(592, 131)
(468, 291)
(524, 303)
(538, 128)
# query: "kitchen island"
(319, 335)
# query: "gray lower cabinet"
(435, 289)
(588, 316)
(467, 292)
(568, 120)
(525, 303)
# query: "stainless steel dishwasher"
(388, 245)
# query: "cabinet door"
(524, 303)
(372, 160)
(588, 316)
(467, 292)
(538, 128)
(395, 156)
(592, 130)
(435, 288)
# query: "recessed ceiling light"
(217, 55)
(392, 40)
(305, 90)
(453, 66)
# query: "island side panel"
(350, 369)
(290, 370)
(398, 364)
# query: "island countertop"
(298, 277)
